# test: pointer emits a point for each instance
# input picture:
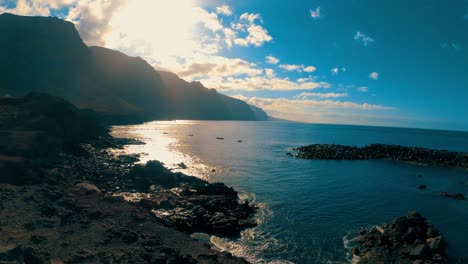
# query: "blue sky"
(393, 63)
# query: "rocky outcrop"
(35, 129)
(422, 156)
(65, 197)
(408, 239)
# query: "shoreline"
(68, 198)
(65, 198)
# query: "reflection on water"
(309, 207)
(163, 142)
(161, 138)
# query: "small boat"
(219, 138)
(239, 141)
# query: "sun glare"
(159, 28)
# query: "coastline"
(79, 201)
(72, 200)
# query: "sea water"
(309, 208)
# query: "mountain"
(45, 54)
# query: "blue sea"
(310, 208)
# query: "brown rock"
(436, 243)
(87, 188)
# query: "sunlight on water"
(161, 141)
(308, 210)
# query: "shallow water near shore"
(309, 207)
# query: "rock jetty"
(409, 239)
(417, 155)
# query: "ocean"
(310, 208)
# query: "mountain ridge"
(46, 54)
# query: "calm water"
(309, 207)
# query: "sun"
(160, 29)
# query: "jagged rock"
(408, 239)
(436, 243)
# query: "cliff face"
(40, 54)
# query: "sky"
(386, 63)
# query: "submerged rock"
(456, 196)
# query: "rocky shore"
(421, 156)
(65, 197)
(409, 239)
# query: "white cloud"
(257, 35)
(302, 80)
(272, 60)
(209, 20)
(268, 81)
(229, 36)
(218, 66)
(318, 111)
(224, 10)
(250, 17)
(363, 38)
(309, 69)
(315, 14)
(374, 76)
(297, 67)
(269, 73)
(36, 7)
(93, 19)
(291, 67)
(329, 104)
(306, 95)
(337, 70)
(363, 89)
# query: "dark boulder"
(407, 239)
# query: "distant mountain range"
(45, 54)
